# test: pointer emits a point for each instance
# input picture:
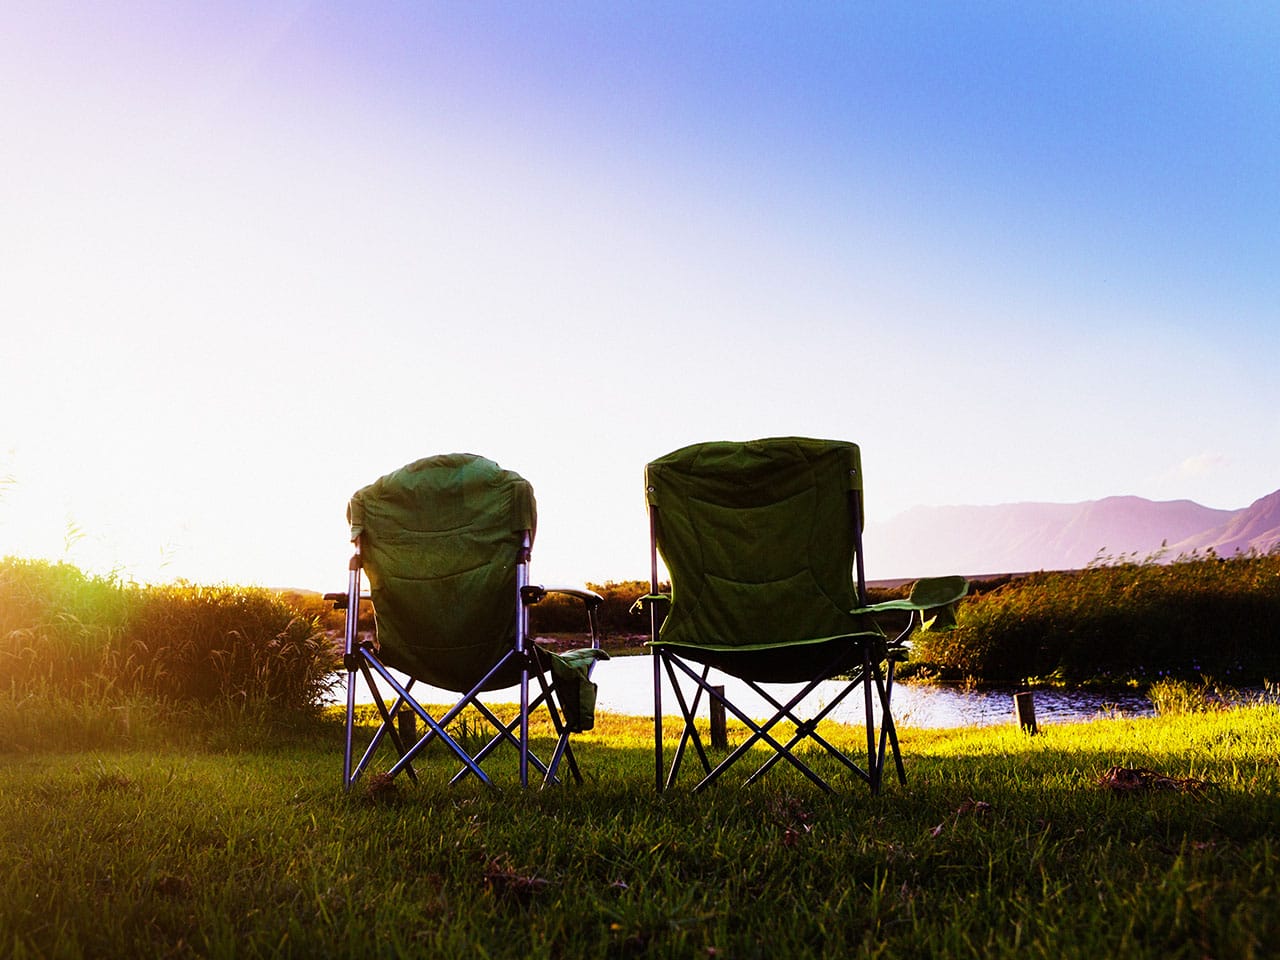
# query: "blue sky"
(252, 256)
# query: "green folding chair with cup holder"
(763, 544)
(445, 544)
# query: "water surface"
(626, 687)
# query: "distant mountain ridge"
(1020, 537)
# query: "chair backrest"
(760, 538)
(440, 541)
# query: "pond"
(626, 687)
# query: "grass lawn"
(241, 843)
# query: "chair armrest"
(339, 600)
(642, 603)
(936, 595)
(929, 593)
(589, 597)
(532, 593)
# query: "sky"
(254, 255)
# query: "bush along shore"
(66, 634)
(106, 654)
(1120, 622)
(1117, 622)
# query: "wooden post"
(407, 726)
(719, 732)
(1024, 708)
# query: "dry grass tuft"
(1129, 780)
(380, 788)
(501, 880)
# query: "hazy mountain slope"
(1256, 527)
(1017, 537)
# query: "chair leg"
(759, 732)
(873, 768)
(688, 712)
(868, 672)
(512, 732)
(808, 730)
(524, 726)
(691, 728)
(436, 728)
(386, 728)
(388, 717)
(506, 733)
(658, 759)
(888, 729)
(563, 748)
(351, 724)
(516, 732)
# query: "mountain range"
(1022, 537)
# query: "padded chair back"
(440, 540)
(760, 539)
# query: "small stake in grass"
(407, 725)
(719, 731)
(1024, 708)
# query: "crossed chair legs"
(514, 732)
(868, 675)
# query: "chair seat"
(792, 662)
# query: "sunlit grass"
(197, 810)
(1001, 844)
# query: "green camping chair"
(763, 543)
(445, 542)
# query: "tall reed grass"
(1120, 621)
(66, 634)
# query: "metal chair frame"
(875, 681)
(362, 663)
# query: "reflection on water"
(626, 687)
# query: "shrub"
(66, 634)
(559, 613)
(211, 644)
(1178, 697)
(1123, 622)
(59, 627)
